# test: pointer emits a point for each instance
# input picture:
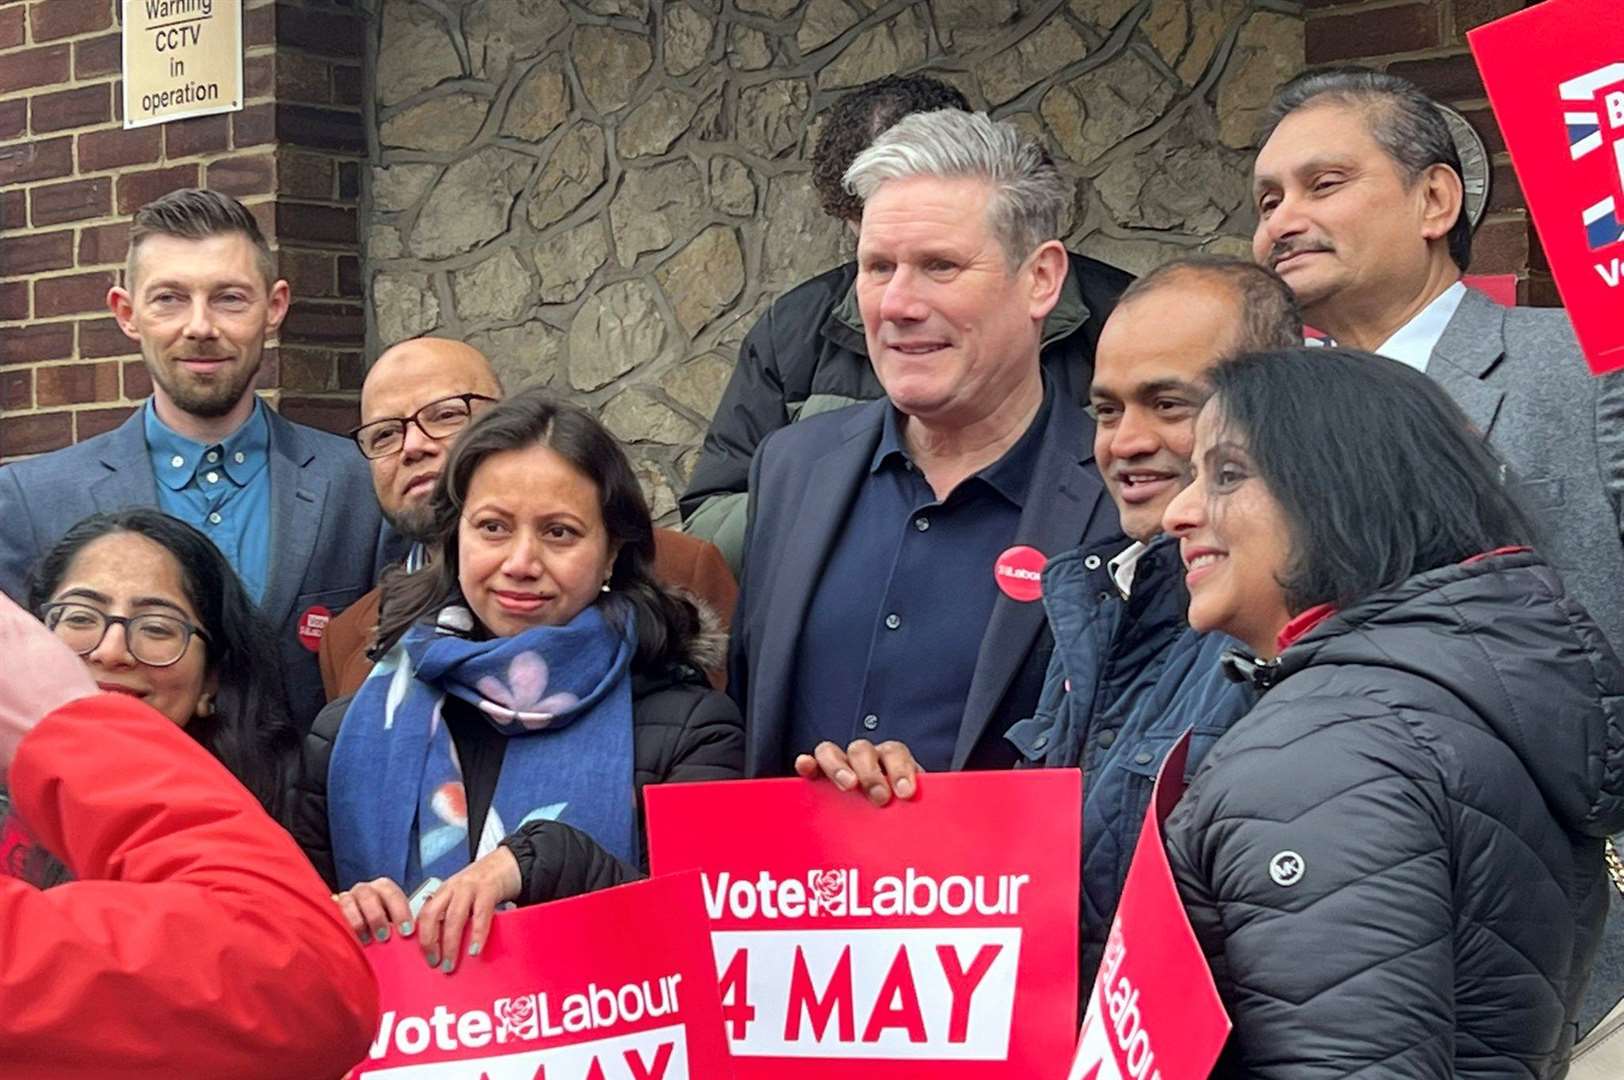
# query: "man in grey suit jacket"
(1360, 210)
(291, 507)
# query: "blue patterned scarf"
(396, 804)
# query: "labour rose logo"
(518, 1017)
(828, 889)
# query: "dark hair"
(1405, 122)
(250, 732)
(197, 214)
(1379, 474)
(666, 624)
(857, 118)
(1270, 318)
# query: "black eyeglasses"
(438, 420)
(153, 639)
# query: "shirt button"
(1144, 757)
(214, 455)
(921, 523)
(214, 519)
(176, 462)
(1106, 739)
(1092, 562)
(871, 721)
(214, 478)
(238, 458)
(892, 621)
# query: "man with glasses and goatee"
(417, 397)
(286, 504)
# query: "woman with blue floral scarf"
(530, 680)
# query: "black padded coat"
(1394, 861)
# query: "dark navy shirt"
(895, 624)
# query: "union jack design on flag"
(1594, 114)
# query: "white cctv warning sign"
(181, 58)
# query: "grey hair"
(1405, 123)
(1029, 194)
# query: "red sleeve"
(197, 942)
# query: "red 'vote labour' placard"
(1555, 76)
(1153, 1011)
(935, 937)
(617, 985)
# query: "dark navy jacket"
(1138, 676)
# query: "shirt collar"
(1008, 475)
(1123, 566)
(176, 459)
(1413, 342)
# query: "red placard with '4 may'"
(1555, 76)
(934, 938)
(616, 985)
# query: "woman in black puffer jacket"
(1394, 861)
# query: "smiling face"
(405, 379)
(1234, 539)
(126, 574)
(1149, 383)
(1337, 217)
(532, 546)
(952, 329)
(201, 310)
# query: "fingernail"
(406, 928)
(365, 938)
(448, 965)
(381, 934)
(473, 950)
(905, 787)
(844, 778)
(434, 959)
(879, 793)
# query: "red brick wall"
(1426, 43)
(70, 176)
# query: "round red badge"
(312, 625)
(1018, 572)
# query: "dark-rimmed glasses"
(153, 639)
(438, 420)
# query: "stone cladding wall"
(604, 195)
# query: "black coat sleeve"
(686, 733)
(307, 807)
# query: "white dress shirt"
(1413, 342)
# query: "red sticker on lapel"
(312, 625)
(1018, 571)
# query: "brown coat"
(681, 561)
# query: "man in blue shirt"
(882, 536)
(290, 506)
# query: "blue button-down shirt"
(224, 490)
(895, 625)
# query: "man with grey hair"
(1360, 209)
(892, 548)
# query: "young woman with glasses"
(156, 612)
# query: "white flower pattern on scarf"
(523, 698)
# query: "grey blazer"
(327, 535)
(1519, 375)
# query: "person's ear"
(122, 305)
(276, 307)
(1047, 267)
(208, 702)
(1442, 194)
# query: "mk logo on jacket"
(1593, 106)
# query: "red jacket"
(197, 941)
